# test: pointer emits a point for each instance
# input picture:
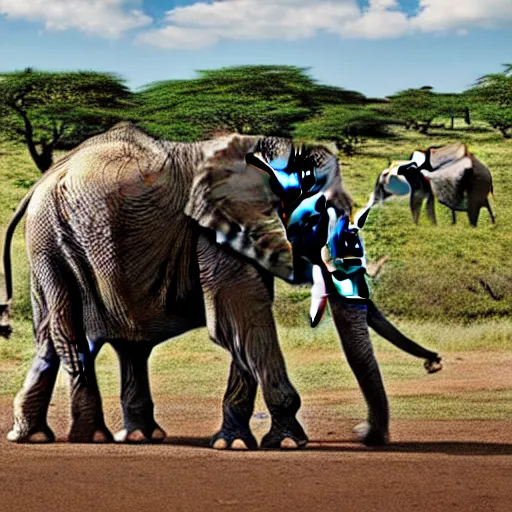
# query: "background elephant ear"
(235, 200)
(441, 156)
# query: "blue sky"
(375, 46)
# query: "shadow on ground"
(349, 445)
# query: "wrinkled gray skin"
(115, 258)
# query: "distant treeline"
(48, 111)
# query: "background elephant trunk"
(352, 325)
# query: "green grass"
(431, 287)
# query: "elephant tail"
(492, 190)
(5, 327)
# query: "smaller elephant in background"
(449, 173)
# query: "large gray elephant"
(449, 173)
(133, 241)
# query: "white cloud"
(206, 22)
(105, 18)
(380, 20)
(461, 15)
(202, 23)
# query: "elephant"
(134, 240)
(450, 173)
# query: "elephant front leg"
(283, 403)
(351, 324)
(238, 406)
(415, 202)
(239, 318)
(138, 409)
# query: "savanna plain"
(447, 287)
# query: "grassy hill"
(441, 272)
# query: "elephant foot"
(285, 435)
(37, 436)
(137, 436)
(234, 440)
(371, 436)
(90, 435)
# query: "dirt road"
(430, 466)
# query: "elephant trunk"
(351, 323)
(384, 328)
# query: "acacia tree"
(345, 125)
(47, 110)
(265, 100)
(493, 97)
(416, 108)
(454, 106)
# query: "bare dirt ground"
(448, 465)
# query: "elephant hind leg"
(87, 421)
(32, 401)
(489, 209)
(431, 209)
(61, 329)
(473, 213)
(54, 343)
(136, 402)
(88, 424)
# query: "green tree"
(416, 108)
(497, 116)
(265, 100)
(346, 126)
(492, 95)
(47, 110)
(454, 106)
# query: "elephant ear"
(235, 200)
(444, 155)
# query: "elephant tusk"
(318, 297)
